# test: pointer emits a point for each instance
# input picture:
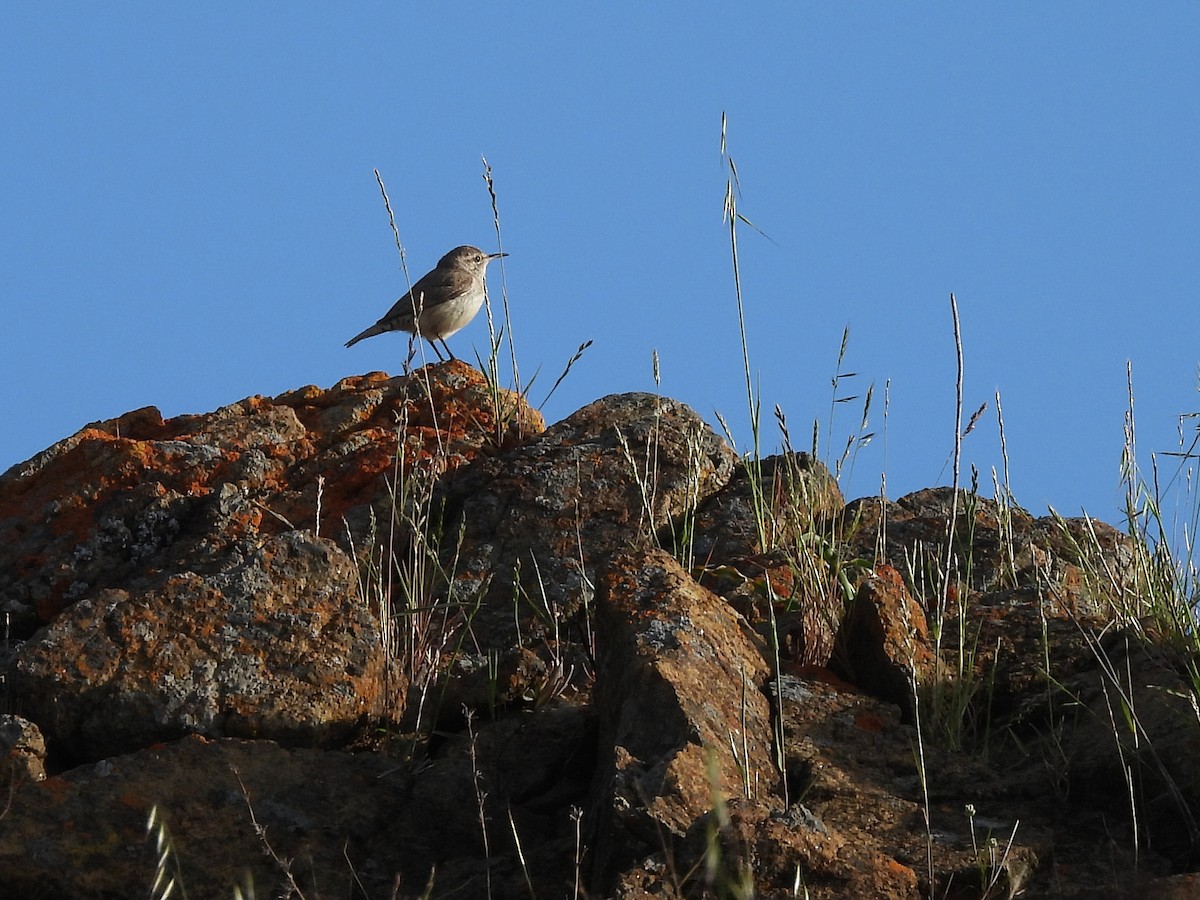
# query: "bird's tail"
(370, 332)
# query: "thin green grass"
(955, 704)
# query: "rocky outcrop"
(279, 646)
(539, 523)
(682, 715)
(396, 638)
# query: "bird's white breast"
(440, 321)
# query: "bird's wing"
(436, 283)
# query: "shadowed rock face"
(542, 521)
(277, 647)
(432, 647)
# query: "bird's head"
(470, 258)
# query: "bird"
(441, 303)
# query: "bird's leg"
(448, 350)
(433, 344)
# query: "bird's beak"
(496, 255)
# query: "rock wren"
(441, 303)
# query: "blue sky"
(192, 216)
